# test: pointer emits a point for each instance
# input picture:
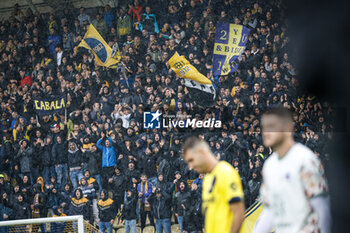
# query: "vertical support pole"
(81, 224)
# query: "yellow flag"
(202, 89)
(184, 69)
(98, 46)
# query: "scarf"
(36, 212)
(42, 183)
(146, 187)
(146, 204)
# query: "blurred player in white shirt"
(294, 189)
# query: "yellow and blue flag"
(230, 41)
(201, 88)
(252, 215)
(94, 42)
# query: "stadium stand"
(59, 164)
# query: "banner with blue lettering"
(104, 55)
(230, 41)
(50, 106)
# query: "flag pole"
(116, 46)
(65, 114)
(37, 120)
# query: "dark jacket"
(192, 218)
(13, 198)
(149, 165)
(164, 168)
(38, 152)
(106, 209)
(5, 187)
(181, 197)
(24, 159)
(59, 153)
(130, 203)
(163, 185)
(253, 188)
(80, 206)
(39, 202)
(5, 210)
(118, 185)
(47, 157)
(89, 189)
(107, 106)
(5, 153)
(132, 174)
(66, 196)
(93, 160)
(74, 157)
(58, 226)
(21, 210)
(161, 207)
(53, 197)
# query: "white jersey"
(288, 185)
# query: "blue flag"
(94, 42)
(230, 41)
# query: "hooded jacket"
(164, 167)
(74, 157)
(28, 187)
(108, 153)
(58, 226)
(21, 210)
(79, 206)
(93, 162)
(118, 185)
(149, 22)
(253, 188)
(130, 203)
(5, 153)
(107, 107)
(39, 202)
(59, 153)
(129, 174)
(163, 185)
(66, 196)
(5, 187)
(161, 206)
(13, 197)
(181, 197)
(107, 208)
(47, 158)
(4, 210)
(124, 25)
(25, 158)
(149, 165)
(88, 189)
(38, 151)
(192, 218)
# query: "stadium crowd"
(97, 158)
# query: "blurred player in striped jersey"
(222, 193)
(294, 189)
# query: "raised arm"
(99, 144)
